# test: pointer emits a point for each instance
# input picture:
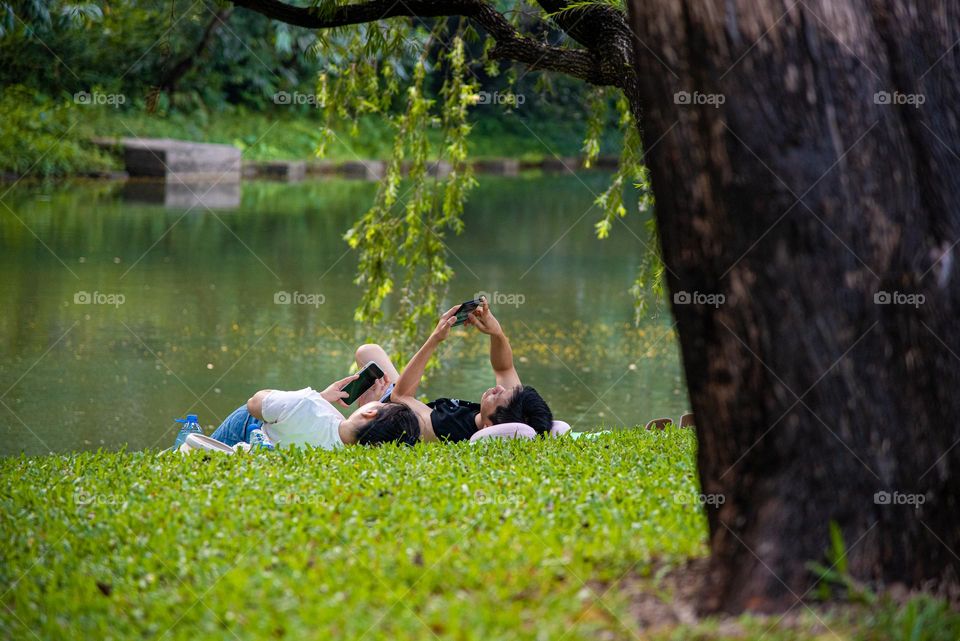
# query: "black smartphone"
(465, 309)
(369, 374)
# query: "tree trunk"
(808, 210)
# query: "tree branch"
(510, 44)
(604, 31)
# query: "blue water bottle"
(189, 425)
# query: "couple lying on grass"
(388, 411)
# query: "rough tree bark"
(586, 64)
(817, 185)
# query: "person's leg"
(373, 352)
(236, 428)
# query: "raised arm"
(501, 356)
(409, 380)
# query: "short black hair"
(394, 423)
(526, 406)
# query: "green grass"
(51, 136)
(261, 136)
(278, 135)
(502, 540)
(472, 541)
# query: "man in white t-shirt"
(307, 417)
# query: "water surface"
(120, 314)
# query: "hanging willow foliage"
(400, 240)
(648, 285)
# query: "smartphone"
(465, 309)
(369, 374)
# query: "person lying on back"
(307, 417)
(450, 419)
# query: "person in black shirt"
(451, 419)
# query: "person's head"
(520, 404)
(376, 423)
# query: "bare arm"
(501, 360)
(501, 355)
(409, 380)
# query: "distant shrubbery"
(212, 73)
(42, 136)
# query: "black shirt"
(453, 419)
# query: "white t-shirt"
(301, 418)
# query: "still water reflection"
(120, 314)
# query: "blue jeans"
(237, 427)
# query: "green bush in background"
(210, 73)
(41, 136)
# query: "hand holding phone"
(484, 320)
(366, 377)
(464, 310)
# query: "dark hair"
(394, 423)
(526, 406)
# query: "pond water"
(120, 314)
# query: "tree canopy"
(380, 51)
(423, 66)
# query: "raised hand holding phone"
(447, 320)
(464, 310)
(484, 320)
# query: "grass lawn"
(51, 136)
(501, 540)
(280, 136)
